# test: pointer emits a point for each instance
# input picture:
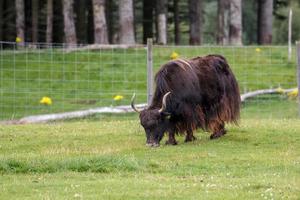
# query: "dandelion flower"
(118, 97)
(174, 55)
(258, 50)
(280, 90)
(46, 101)
(293, 93)
(18, 39)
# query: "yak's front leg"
(171, 140)
(189, 136)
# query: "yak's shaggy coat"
(203, 94)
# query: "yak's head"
(155, 122)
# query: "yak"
(201, 92)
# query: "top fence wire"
(43, 79)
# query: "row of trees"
(117, 21)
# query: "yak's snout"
(152, 143)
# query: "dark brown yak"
(198, 93)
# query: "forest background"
(180, 22)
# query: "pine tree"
(100, 27)
(20, 21)
(69, 25)
(235, 24)
(264, 21)
(49, 30)
(126, 22)
(195, 15)
(161, 10)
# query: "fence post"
(290, 36)
(149, 71)
(298, 70)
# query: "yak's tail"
(231, 99)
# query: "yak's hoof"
(171, 142)
(152, 144)
(217, 134)
(190, 139)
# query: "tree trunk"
(264, 21)
(100, 27)
(20, 21)
(176, 22)
(235, 24)
(58, 22)
(148, 7)
(81, 21)
(195, 15)
(90, 22)
(126, 32)
(9, 16)
(69, 27)
(161, 8)
(109, 15)
(49, 30)
(35, 19)
(1, 19)
(223, 18)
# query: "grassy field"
(260, 159)
(86, 79)
(104, 156)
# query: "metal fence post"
(290, 36)
(298, 69)
(149, 71)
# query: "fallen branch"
(267, 91)
(71, 115)
(120, 109)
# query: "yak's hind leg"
(189, 136)
(218, 129)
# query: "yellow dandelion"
(174, 55)
(118, 97)
(258, 50)
(46, 101)
(293, 93)
(280, 90)
(18, 39)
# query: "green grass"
(104, 156)
(86, 79)
(259, 159)
(270, 106)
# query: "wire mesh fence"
(43, 79)
(47, 79)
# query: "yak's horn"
(164, 102)
(132, 104)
